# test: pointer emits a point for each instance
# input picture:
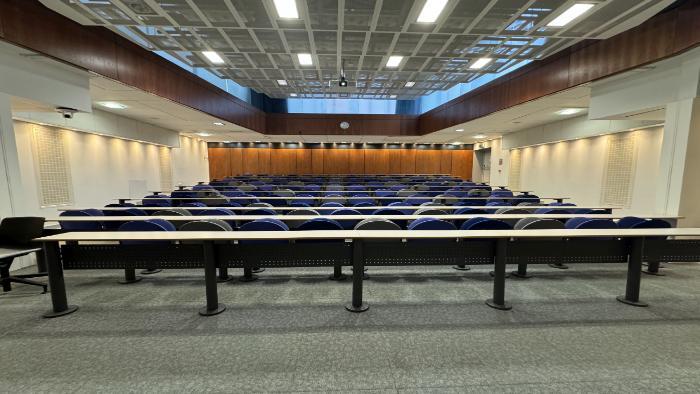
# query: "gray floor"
(427, 330)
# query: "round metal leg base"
(357, 309)
(655, 273)
(517, 274)
(559, 266)
(623, 300)
(339, 277)
(251, 278)
(504, 307)
(203, 311)
(68, 311)
(258, 270)
(228, 278)
(494, 274)
(150, 271)
(130, 281)
(461, 267)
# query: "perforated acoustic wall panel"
(618, 176)
(514, 170)
(52, 167)
(166, 171)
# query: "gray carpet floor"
(428, 330)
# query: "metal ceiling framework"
(260, 48)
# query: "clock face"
(344, 125)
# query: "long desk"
(212, 250)
(608, 209)
(329, 198)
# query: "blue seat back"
(146, 225)
(485, 224)
(428, 223)
(83, 226)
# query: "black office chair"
(17, 233)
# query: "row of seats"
(324, 223)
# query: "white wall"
(575, 169)
(102, 167)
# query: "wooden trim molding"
(29, 24)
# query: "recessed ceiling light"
(431, 11)
(213, 57)
(392, 96)
(459, 130)
(394, 61)
(219, 123)
(226, 142)
(570, 14)
(287, 9)
(282, 82)
(457, 143)
(292, 94)
(569, 111)
(480, 63)
(479, 136)
(410, 84)
(204, 134)
(305, 59)
(112, 104)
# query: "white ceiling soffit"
(259, 48)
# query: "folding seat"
(402, 204)
(535, 224)
(217, 212)
(157, 200)
(332, 204)
(446, 199)
(481, 223)
(298, 212)
(144, 225)
(430, 223)
(377, 224)
(96, 225)
(265, 224)
(355, 201)
(430, 211)
(347, 224)
(335, 197)
(262, 212)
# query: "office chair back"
(20, 230)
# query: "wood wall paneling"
(264, 159)
(304, 165)
(445, 161)
(251, 161)
(283, 161)
(237, 161)
(219, 163)
(408, 161)
(317, 161)
(462, 161)
(427, 161)
(394, 161)
(356, 159)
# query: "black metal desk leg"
(223, 275)
(499, 277)
(213, 306)
(634, 274)
(338, 273)
(357, 275)
(130, 276)
(58, 287)
(248, 275)
(521, 272)
(653, 269)
(461, 267)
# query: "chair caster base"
(655, 273)
(623, 300)
(67, 311)
(503, 307)
(461, 267)
(357, 309)
(517, 274)
(130, 281)
(258, 270)
(559, 266)
(251, 278)
(150, 271)
(338, 277)
(227, 278)
(494, 274)
(203, 311)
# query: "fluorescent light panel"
(480, 63)
(112, 104)
(305, 59)
(394, 61)
(479, 136)
(203, 134)
(410, 84)
(431, 11)
(213, 57)
(287, 9)
(282, 82)
(570, 14)
(293, 94)
(569, 111)
(219, 123)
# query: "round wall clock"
(344, 125)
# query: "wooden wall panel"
(296, 124)
(250, 161)
(236, 161)
(446, 161)
(394, 161)
(317, 161)
(283, 161)
(304, 161)
(219, 163)
(264, 160)
(356, 161)
(462, 162)
(408, 161)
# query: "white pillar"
(678, 190)
(11, 190)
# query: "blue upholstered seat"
(429, 223)
(481, 223)
(83, 226)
